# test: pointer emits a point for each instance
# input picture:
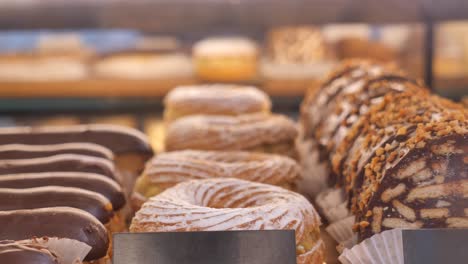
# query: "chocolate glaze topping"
(12, 252)
(87, 181)
(20, 151)
(119, 139)
(59, 163)
(62, 222)
(54, 196)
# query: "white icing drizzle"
(227, 204)
(174, 167)
(217, 99)
(229, 132)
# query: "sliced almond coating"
(400, 223)
(404, 210)
(391, 193)
(458, 188)
(434, 213)
(411, 169)
(457, 222)
(377, 219)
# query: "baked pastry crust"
(259, 132)
(168, 169)
(215, 99)
(233, 204)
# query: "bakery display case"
(245, 131)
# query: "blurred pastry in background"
(302, 45)
(38, 68)
(215, 99)
(63, 44)
(158, 43)
(295, 58)
(227, 59)
(56, 57)
(354, 47)
(144, 65)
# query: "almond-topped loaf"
(407, 164)
(254, 132)
(170, 168)
(328, 113)
(397, 154)
(231, 204)
(215, 99)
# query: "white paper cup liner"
(382, 248)
(314, 173)
(68, 251)
(333, 204)
(341, 230)
(348, 243)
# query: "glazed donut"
(253, 132)
(168, 169)
(232, 204)
(215, 99)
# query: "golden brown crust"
(215, 99)
(168, 169)
(229, 133)
(232, 204)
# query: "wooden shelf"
(90, 88)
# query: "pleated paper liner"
(68, 251)
(341, 230)
(332, 204)
(382, 248)
(314, 172)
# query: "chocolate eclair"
(16, 252)
(55, 196)
(130, 147)
(116, 138)
(62, 222)
(21, 151)
(87, 181)
(59, 163)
